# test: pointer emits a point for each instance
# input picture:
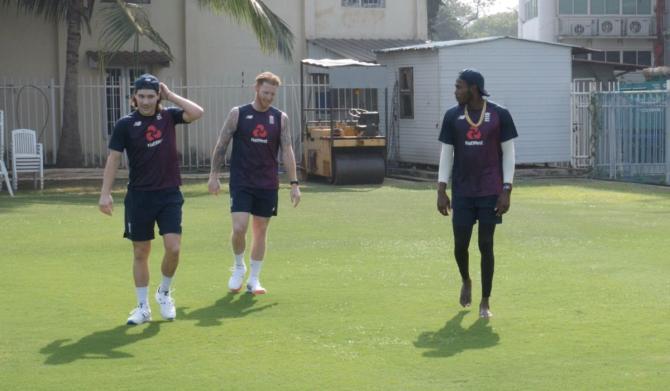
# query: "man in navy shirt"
(257, 130)
(148, 137)
(478, 153)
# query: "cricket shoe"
(254, 287)
(166, 303)
(139, 315)
(237, 278)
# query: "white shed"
(530, 78)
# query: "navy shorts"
(467, 210)
(258, 202)
(146, 208)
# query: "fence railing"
(582, 132)
(622, 135)
(32, 104)
(37, 105)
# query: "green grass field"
(363, 295)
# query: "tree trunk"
(69, 145)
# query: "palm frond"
(272, 32)
(124, 21)
(51, 10)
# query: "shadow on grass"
(99, 345)
(223, 308)
(453, 338)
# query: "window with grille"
(613, 56)
(573, 7)
(605, 7)
(118, 89)
(406, 92)
(636, 7)
(530, 9)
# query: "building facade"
(215, 60)
(625, 31)
(206, 46)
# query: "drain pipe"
(659, 43)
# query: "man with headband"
(148, 137)
(478, 154)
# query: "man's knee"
(260, 232)
(461, 244)
(486, 246)
(239, 229)
(141, 251)
(172, 249)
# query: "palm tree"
(124, 21)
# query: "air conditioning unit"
(577, 28)
(610, 27)
(640, 27)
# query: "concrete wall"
(29, 46)
(546, 26)
(541, 28)
(401, 19)
(207, 46)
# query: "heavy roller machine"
(342, 144)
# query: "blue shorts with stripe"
(143, 209)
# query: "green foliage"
(496, 25)
(453, 17)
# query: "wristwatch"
(507, 186)
(294, 183)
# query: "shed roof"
(460, 42)
(360, 49)
(337, 63)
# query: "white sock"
(239, 260)
(255, 269)
(165, 284)
(142, 296)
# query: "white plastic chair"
(4, 175)
(27, 156)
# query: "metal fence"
(37, 105)
(623, 135)
(582, 132)
(31, 104)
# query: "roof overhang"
(358, 49)
(337, 63)
(129, 58)
(614, 65)
(461, 42)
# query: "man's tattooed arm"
(219, 152)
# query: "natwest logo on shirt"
(474, 137)
(153, 136)
(259, 134)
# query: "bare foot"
(484, 309)
(466, 293)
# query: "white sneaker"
(139, 315)
(237, 278)
(166, 302)
(255, 288)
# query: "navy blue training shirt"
(151, 145)
(477, 169)
(256, 141)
